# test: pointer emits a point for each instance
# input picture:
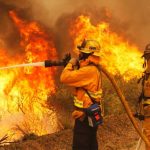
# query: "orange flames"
(116, 54)
(24, 91)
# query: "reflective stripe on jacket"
(147, 102)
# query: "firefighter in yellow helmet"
(87, 82)
(145, 95)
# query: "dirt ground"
(117, 133)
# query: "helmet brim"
(79, 47)
(95, 53)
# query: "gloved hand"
(73, 61)
(77, 114)
(66, 59)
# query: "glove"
(73, 61)
(66, 59)
(77, 114)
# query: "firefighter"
(145, 95)
(87, 82)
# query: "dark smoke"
(9, 36)
(128, 18)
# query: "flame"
(24, 91)
(116, 54)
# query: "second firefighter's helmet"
(90, 46)
(146, 52)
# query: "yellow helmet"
(90, 46)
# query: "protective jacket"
(87, 77)
(146, 105)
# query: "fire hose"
(50, 63)
(125, 104)
(118, 91)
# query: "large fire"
(24, 91)
(117, 55)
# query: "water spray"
(23, 65)
(46, 63)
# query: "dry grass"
(130, 89)
(62, 103)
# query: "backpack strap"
(92, 99)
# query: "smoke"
(9, 36)
(49, 11)
(134, 14)
(128, 18)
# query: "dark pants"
(84, 137)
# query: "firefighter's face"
(80, 55)
(83, 56)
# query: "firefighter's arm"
(77, 78)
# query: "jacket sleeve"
(77, 78)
